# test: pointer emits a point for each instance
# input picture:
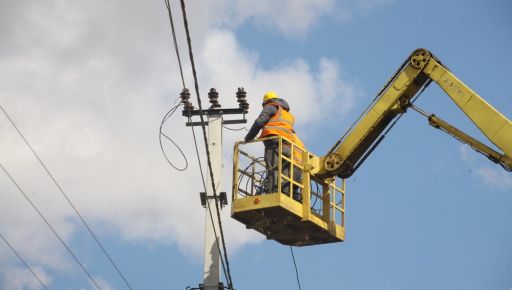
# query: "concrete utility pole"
(212, 239)
(211, 277)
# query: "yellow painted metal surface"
(317, 219)
(394, 99)
(494, 125)
(320, 217)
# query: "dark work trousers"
(272, 161)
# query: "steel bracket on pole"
(222, 197)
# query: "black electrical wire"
(235, 129)
(412, 102)
(63, 193)
(168, 5)
(165, 118)
(295, 265)
(505, 167)
(262, 174)
(23, 261)
(193, 133)
(196, 86)
(51, 227)
(401, 115)
(208, 203)
(317, 191)
(369, 105)
(200, 170)
(383, 135)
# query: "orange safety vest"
(280, 124)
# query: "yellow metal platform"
(318, 219)
(279, 218)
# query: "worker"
(275, 119)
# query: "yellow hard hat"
(269, 95)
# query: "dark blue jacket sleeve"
(265, 115)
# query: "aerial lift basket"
(298, 209)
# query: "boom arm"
(416, 73)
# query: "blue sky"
(88, 84)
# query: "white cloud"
(288, 16)
(367, 5)
(89, 86)
(19, 279)
(494, 176)
(101, 283)
(312, 93)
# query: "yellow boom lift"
(320, 217)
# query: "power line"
(193, 134)
(208, 203)
(235, 129)
(51, 227)
(23, 261)
(196, 86)
(168, 5)
(295, 265)
(67, 199)
(166, 117)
